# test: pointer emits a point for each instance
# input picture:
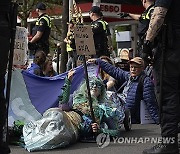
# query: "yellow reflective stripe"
(68, 47)
(103, 23)
(48, 20)
(37, 23)
(147, 14)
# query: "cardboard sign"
(145, 116)
(20, 46)
(84, 40)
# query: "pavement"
(132, 142)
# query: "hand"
(92, 60)
(123, 14)
(95, 127)
(70, 74)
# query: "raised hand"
(70, 74)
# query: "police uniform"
(99, 29)
(4, 52)
(143, 26)
(43, 24)
(144, 20)
(170, 77)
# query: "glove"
(123, 14)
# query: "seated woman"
(58, 128)
(48, 70)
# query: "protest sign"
(84, 40)
(20, 46)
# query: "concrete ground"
(138, 137)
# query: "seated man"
(131, 93)
(58, 128)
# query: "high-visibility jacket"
(144, 20)
(46, 18)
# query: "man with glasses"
(133, 92)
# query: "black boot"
(162, 149)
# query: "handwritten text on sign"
(20, 46)
(84, 40)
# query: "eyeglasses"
(92, 84)
(135, 67)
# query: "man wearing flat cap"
(99, 28)
(136, 87)
(41, 31)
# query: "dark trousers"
(171, 87)
(4, 51)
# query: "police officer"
(99, 29)
(143, 19)
(41, 31)
(166, 17)
(4, 51)
(108, 34)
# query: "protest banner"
(20, 46)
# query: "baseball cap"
(95, 9)
(137, 60)
(41, 6)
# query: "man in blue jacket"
(131, 94)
